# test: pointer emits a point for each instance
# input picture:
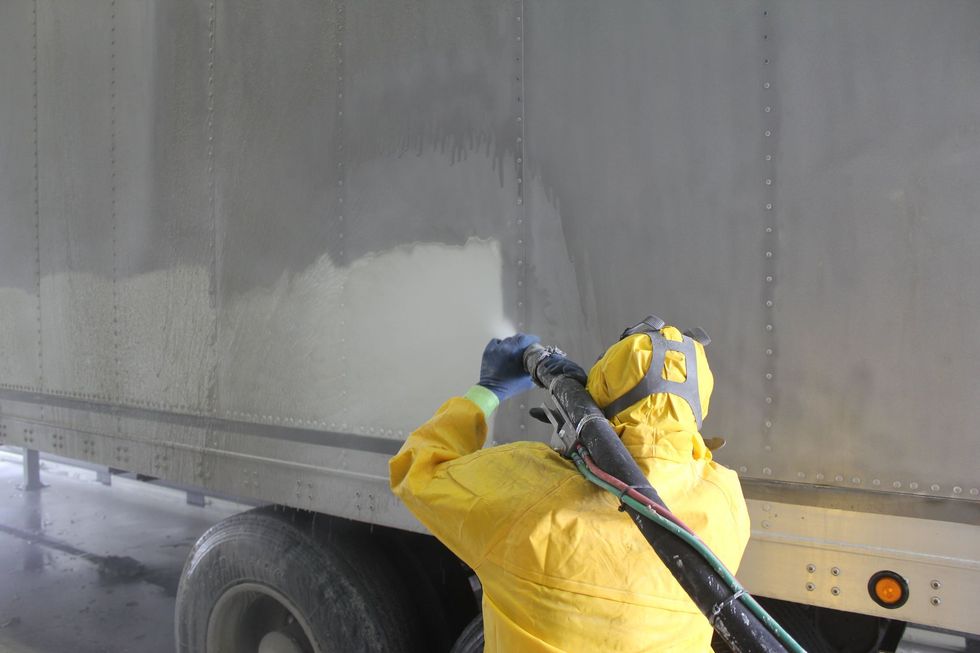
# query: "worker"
(562, 569)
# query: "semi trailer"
(246, 247)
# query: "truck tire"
(435, 582)
(274, 581)
(471, 640)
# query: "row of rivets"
(117, 385)
(37, 213)
(341, 199)
(212, 213)
(769, 236)
(820, 477)
(521, 220)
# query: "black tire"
(471, 639)
(435, 582)
(323, 585)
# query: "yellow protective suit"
(562, 569)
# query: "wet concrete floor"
(86, 568)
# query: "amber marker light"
(888, 589)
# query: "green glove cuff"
(485, 399)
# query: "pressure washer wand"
(735, 616)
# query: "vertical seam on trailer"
(117, 388)
(341, 184)
(212, 212)
(211, 400)
(770, 239)
(37, 216)
(522, 227)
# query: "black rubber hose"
(732, 620)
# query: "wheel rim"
(250, 617)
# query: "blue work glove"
(502, 370)
(560, 365)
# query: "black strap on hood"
(654, 381)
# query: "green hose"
(785, 638)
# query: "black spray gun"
(588, 439)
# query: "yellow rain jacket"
(562, 569)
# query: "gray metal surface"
(236, 234)
(938, 560)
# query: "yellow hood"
(661, 425)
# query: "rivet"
(768, 352)
(768, 327)
(768, 182)
(897, 485)
(913, 486)
(835, 591)
(855, 480)
(768, 254)
(768, 400)
(768, 157)
(957, 490)
(769, 303)
(769, 279)
(768, 207)
(768, 109)
(768, 230)
(934, 487)
(769, 375)
(800, 475)
(767, 471)
(839, 478)
(765, 524)
(819, 476)
(974, 491)
(766, 85)
(768, 424)
(810, 568)
(810, 587)
(876, 482)
(935, 601)
(835, 571)
(935, 584)
(743, 469)
(768, 133)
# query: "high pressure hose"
(601, 457)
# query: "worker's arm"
(438, 473)
(424, 478)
